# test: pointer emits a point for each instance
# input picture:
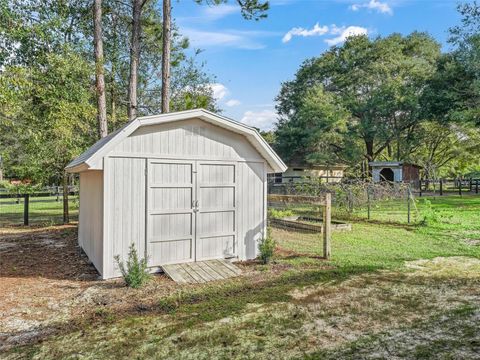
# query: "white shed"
(185, 186)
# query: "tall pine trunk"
(66, 215)
(134, 59)
(167, 10)
(99, 70)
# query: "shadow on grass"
(191, 306)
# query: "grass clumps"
(267, 247)
(134, 272)
(279, 214)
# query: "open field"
(390, 291)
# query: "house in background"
(298, 172)
(395, 171)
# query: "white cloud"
(227, 38)
(219, 11)
(381, 7)
(317, 30)
(233, 102)
(345, 32)
(263, 119)
(219, 90)
(342, 32)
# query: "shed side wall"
(124, 210)
(90, 229)
(251, 205)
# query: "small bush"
(135, 272)
(279, 214)
(267, 247)
(430, 216)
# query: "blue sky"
(251, 59)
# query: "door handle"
(195, 205)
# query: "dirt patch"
(47, 282)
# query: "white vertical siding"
(251, 208)
(192, 139)
(90, 229)
(124, 210)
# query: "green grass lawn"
(42, 210)
(390, 289)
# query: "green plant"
(134, 272)
(267, 247)
(279, 214)
(430, 216)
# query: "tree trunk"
(113, 99)
(99, 71)
(167, 8)
(369, 147)
(66, 216)
(134, 59)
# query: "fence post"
(26, 202)
(327, 218)
(441, 187)
(368, 202)
(470, 184)
(408, 205)
(460, 187)
(66, 216)
(476, 186)
(420, 187)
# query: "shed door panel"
(216, 210)
(171, 220)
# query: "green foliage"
(429, 214)
(19, 187)
(47, 92)
(279, 214)
(356, 100)
(318, 129)
(134, 272)
(51, 116)
(267, 247)
(446, 149)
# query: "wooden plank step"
(201, 271)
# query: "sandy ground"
(47, 282)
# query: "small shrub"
(267, 247)
(279, 214)
(135, 272)
(430, 216)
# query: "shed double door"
(191, 211)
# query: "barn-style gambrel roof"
(92, 158)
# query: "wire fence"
(363, 200)
(36, 208)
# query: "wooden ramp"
(201, 271)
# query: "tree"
(446, 149)
(250, 9)
(378, 83)
(321, 124)
(51, 117)
(466, 39)
(134, 57)
(99, 76)
(167, 9)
